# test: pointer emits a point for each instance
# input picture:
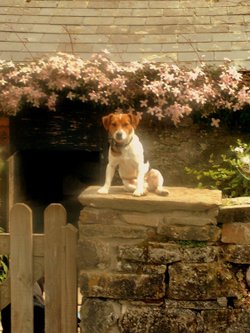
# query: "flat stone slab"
(179, 198)
(240, 201)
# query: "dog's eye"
(113, 124)
(126, 125)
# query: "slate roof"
(165, 30)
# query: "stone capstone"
(179, 198)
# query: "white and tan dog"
(126, 153)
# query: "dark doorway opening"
(46, 177)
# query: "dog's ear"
(106, 121)
(135, 119)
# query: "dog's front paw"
(103, 190)
(138, 193)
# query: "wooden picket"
(21, 270)
(31, 256)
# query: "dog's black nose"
(118, 135)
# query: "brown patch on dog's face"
(120, 125)
(114, 122)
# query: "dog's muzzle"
(119, 136)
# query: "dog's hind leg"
(129, 184)
(155, 182)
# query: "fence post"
(21, 269)
(69, 280)
(54, 220)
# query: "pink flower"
(94, 96)
(51, 103)
(215, 122)
(144, 103)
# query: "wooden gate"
(31, 256)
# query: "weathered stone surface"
(189, 218)
(179, 198)
(158, 319)
(93, 253)
(140, 268)
(238, 254)
(115, 231)
(122, 286)
(134, 253)
(193, 305)
(236, 233)
(233, 213)
(228, 321)
(203, 233)
(248, 277)
(215, 321)
(201, 254)
(163, 253)
(152, 219)
(99, 316)
(239, 201)
(106, 316)
(90, 215)
(201, 281)
(168, 274)
(222, 301)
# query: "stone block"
(238, 254)
(94, 253)
(157, 319)
(162, 253)
(228, 320)
(133, 253)
(216, 320)
(99, 316)
(195, 233)
(232, 214)
(189, 218)
(193, 305)
(152, 219)
(236, 233)
(125, 266)
(90, 215)
(122, 286)
(248, 277)
(115, 231)
(201, 281)
(201, 254)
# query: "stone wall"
(163, 30)
(163, 264)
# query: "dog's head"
(120, 126)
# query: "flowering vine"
(230, 174)
(159, 89)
